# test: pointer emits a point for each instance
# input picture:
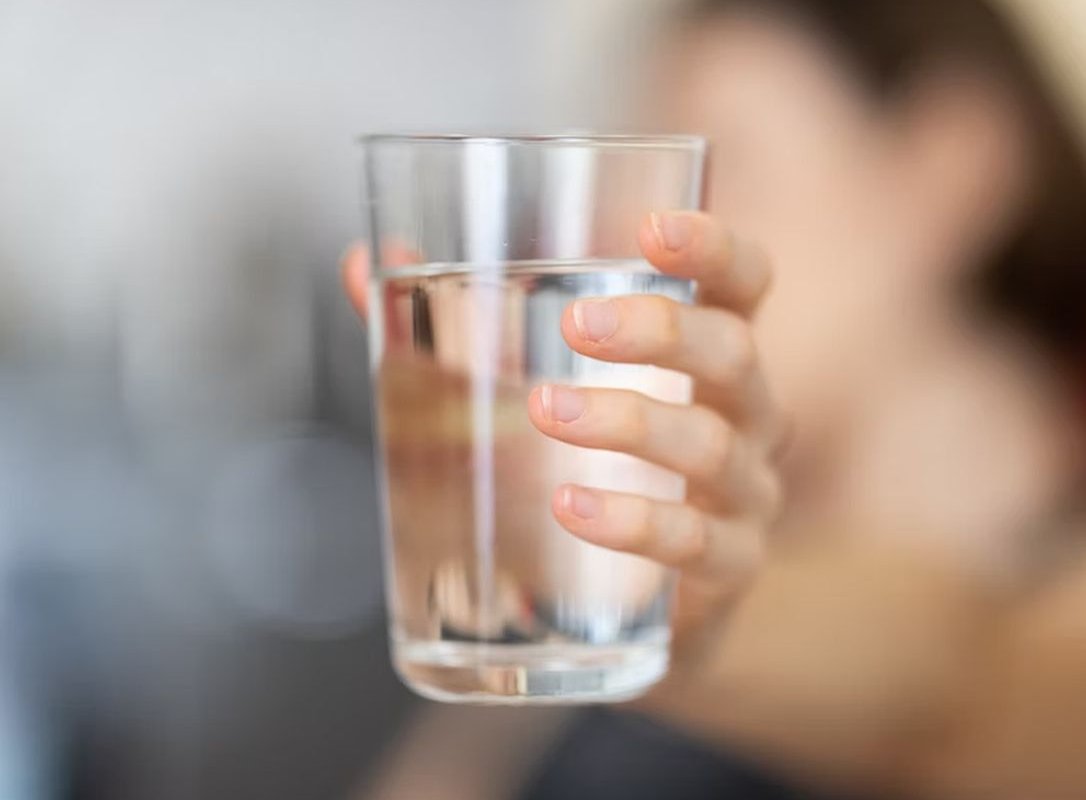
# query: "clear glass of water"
(478, 245)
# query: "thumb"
(355, 273)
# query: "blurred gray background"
(189, 563)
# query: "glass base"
(497, 674)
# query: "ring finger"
(712, 345)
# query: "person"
(908, 618)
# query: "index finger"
(730, 272)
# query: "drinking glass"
(478, 244)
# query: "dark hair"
(1039, 274)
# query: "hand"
(723, 443)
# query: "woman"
(919, 198)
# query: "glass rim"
(691, 142)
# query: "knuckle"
(705, 219)
(713, 240)
(641, 525)
(742, 352)
(738, 355)
(760, 279)
(752, 276)
(668, 328)
(630, 426)
(718, 443)
(693, 543)
(716, 253)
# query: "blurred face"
(805, 164)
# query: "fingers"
(691, 440)
(712, 345)
(690, 244)
(671, 534)
(355, 274)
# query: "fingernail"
(673, 231)
(581, 502)
(561, 403)
(595, 319)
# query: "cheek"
(825, 324)
(799, 333)
(826, 224)
(811, 186)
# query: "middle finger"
(691, 440)
(712, 345)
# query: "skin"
(908, 407)
(889, 643)
(722, 444)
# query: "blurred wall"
(189, 571)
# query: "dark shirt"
(608, 754)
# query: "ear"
(968, 157)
